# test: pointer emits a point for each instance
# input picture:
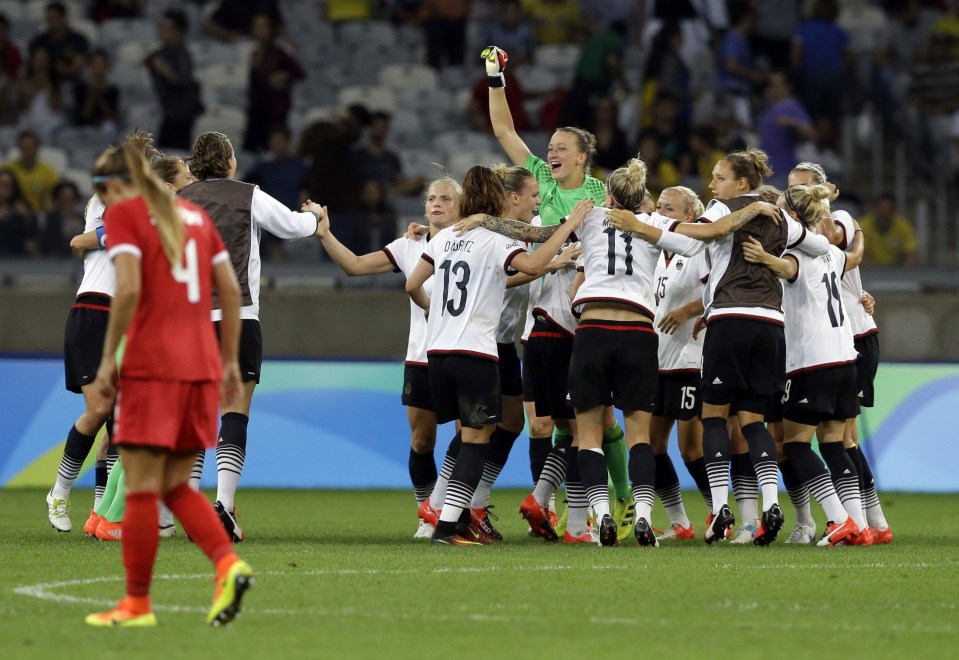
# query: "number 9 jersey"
(171, 336)
(469, 284)
(619, 267)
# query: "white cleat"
(803, 534)
(58, 513)
(745, 534)
(424, 530)
(167, 526)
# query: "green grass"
(338, 575)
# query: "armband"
(102, 236)
(497, 80)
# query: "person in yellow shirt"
(890, 237)
(35, 177)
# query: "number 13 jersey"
(469, 283)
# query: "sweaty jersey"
(818, 332)
(98, 274)
(862, 323)
(170, 337)
(680, 281)
(468, 289)
(618, 267)
(556, 203)
(405, 254)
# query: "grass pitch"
(339, 575)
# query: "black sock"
(422, 474)
(856, 457)
(75, 451)
(697, 470)
(666, 479)
(762, 451)
(716, 454)
(231, 445)
(500, 445)
(466, 475)
(643, 474)
(595, 475)
(795, 486)
(538, 451)
(842, 470)
(870, 498)
(810, 469)
(101, 479)
(113, 454)
(554, 468)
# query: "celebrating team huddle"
(741, 321)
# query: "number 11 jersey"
(469, 283)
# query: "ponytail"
(159, 202)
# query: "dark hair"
(4, 21)
(100, 52)
(62, 185)
(740, 10)
(585, 141)
(58, 7)
(752, 165)
(177, 18)
(360, 114)
(279, 127)
(211, 156)
(16, 192)
(483, 192)
(28, 134)
(379, 114)
(514, 177)
(825, 10)
(167, 168)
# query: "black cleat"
(769, 526)
(608, 531)
(480, 519)
(719, 525)
(644, 534)
(228, 518)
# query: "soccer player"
(820, 393)
(463, 314)
(168, 258)
(240, 211)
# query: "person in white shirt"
(464, 311)
(820, 392)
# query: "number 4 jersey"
(818, 332)
(469, 283)
(171, 336)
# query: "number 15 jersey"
(469, 283)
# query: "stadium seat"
(452, 142)
(231, 74)
(560, 57)
(374, 97)
(408, 76)
(537, 79)
(82, 178)
(115, 31)
(229, 121)
(426, 101)
(124, 75)
(358, 33)
(461, 161)
(55, 156)
(134, 52)
(145, 116)
(206, 52)
(12, 9)
(36, 10)
(420, 163)
(317, 114)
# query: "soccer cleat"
(608, 531)
(624, 513)
(58, 513)
(745, 533)
(480, 519)
(838, 532)
(881, 536)
(424, 530)
(230, 588)
(109, 531)
(428, 514)
(863, 537)
(90, 526)
(678, 532)
(719, 525)
(644, 534)
(585, 538)
(228, 518)
(167, 532)
(560, 525)
(167, 524)
(769, 526)
(803, 534)
(453, 539)
(121, 617)
(538, 518)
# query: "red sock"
(199, 521)
(141, 536)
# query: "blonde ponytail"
(627, 185)
(159, 202)
(810, 203)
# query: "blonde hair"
(818, 173)
(694, 205)
(752, 165)
(627, 185)
(809, 203)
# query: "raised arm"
(783, 267)
(566, 258)
(351, 264)
(536, 262)
(499, 114)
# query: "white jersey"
(862, 323)
(818, 333)
(680, 281)
(515, 301)
(619, 268)
(549, 299)
(98, 275)
(405, 253)
(468, 290)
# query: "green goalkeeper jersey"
(556, 202)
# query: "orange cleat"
(677, 532)
(109, 531)
(881, 536)
(428, 514)
(838, 532)
(862, 537)
(122, 616)
(90, 526)
(585, 538)
(538, 518)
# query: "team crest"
(679, 265)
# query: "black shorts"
(744, 363)
(821, 395)
(251, 349)
(614, 363)
(676, 396)
(83, 339)
(773, 412)
(465, 388)
(416, 387)
(510, 372)
(866, 367)
(546, 367)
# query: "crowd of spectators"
(680, 81)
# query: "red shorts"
(173, 415)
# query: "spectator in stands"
(599, 68)
(35, 177)
(444, 22)
(96, 101)
(338, 11)
(67, 48)
(273, 71)
(11, 62)
(232, 21)
(665, 69)
(824, 150)
(102, 10)
(661, 173)
(555, 21)
(171, 68)
(39, 96)
(890, 238)
(737, 73)
(696, 166)
(512, 32)
(782, 126)
(376, 219)
(62, 222)
(17, 223)
(934, 95)
(665, 123)
(282, 175)
(776, 23)
(477, 113)
(612, 146)
(374, 161)
(820, 58)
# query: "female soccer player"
(820, 393)
(240, 211)
(463, 313)
(168, 259)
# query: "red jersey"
(170, 337)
